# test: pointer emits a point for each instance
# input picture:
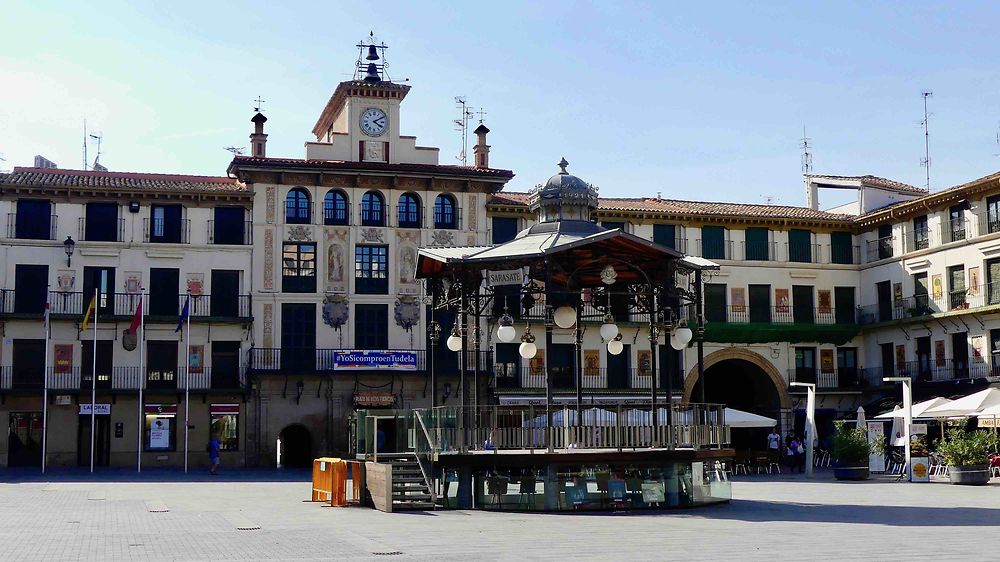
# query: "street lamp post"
(810, 423)
(907, 416)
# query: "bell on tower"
(371, 71)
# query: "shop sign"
(164, 409)
(63, 400)
(505, 277)
(218, 409)
(364, 360)
(99, 409)
(374, 398)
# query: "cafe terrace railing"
(619, 426)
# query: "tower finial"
(562, 166)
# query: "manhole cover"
(393, 553)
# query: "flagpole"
(187, 379)
(45, 384)
(142, 379)
(93, 387)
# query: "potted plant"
(968, 455)
(851, 450)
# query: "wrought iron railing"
(916, 306)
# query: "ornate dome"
(563, 197)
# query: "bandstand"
(566, 277)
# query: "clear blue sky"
(696, 100)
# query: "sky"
(695, 100)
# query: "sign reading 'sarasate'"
(505, 277)
(366, 359)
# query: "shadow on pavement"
(62, 474)
(891, 515)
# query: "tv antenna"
(998, 138)
(926, 160)
(807, 157)
(769, 199)
(84, 144)
(97, 137)
(462, 125)
(236, 150)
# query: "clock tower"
(360, 123)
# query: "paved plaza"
(261, 516)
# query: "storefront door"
(102, 440)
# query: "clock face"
(374, 121)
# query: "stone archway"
(780, 385)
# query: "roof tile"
(53, 177)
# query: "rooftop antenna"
(84, 144)
(926, 160)
(462, 125)
(998, 138)
(236, 150)
(97, 159)
(367, 67)
(768, 199)
(807, 157)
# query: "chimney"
(481, 150)
(812, 194)
(258, 140)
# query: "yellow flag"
(90, 311)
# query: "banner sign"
(99, 409)
(919, 453)
(505, 277)
(983, 421)
(366, 360)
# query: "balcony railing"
(840, 378)
(933, 371)
(122, 378)
(843, 254)
(922, 305)
(63, 303)
(714, 249)
(803, 253)
(988, 223)
(31, 231)
(917, 240)
(102, 231)
(408, 217)
(744, 314)
(316, 360)
(522, 375)
(955, 231)
(448, 221)
(163, 232)
(759, 251)
(231, 238)
(879, 249)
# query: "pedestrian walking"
(774, 446)
(798, 454)
(213, 453)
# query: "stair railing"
(424, 449)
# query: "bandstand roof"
(575, 245)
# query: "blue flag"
(184, 314)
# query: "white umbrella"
(897, 437)
(636, 416)
(919, 409)
(562, 417)
(739, 418)
(966, 406)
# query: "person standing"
(798, 454)
(774, 445)
(213, 453)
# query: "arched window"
(297, 209)
(372, 209)
(409, 211)
(445, 212)
(335, 207)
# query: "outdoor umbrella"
(597, 416)
(739, 418)
(862, 422)
(918, 409)
(966, 406)
(898, 438)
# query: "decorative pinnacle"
(562, 166)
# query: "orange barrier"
(323, 478)
(357, 469)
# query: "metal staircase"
(409, 486)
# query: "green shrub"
(851, 446)
(966, 448)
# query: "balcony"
(521, 376)
(72, 305)
(917, 306)
(932, 371)
(917, 240)
(166, 232)
(803, 253)
(842, 378)
(879, 249)
(955, 231)
(292, 360)
(101, 231)
(128, 379)
(759, 251)
(766, 324)
(714, 249)
(244, 238)
(743, 314)
(448, 221)
(31, 229)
